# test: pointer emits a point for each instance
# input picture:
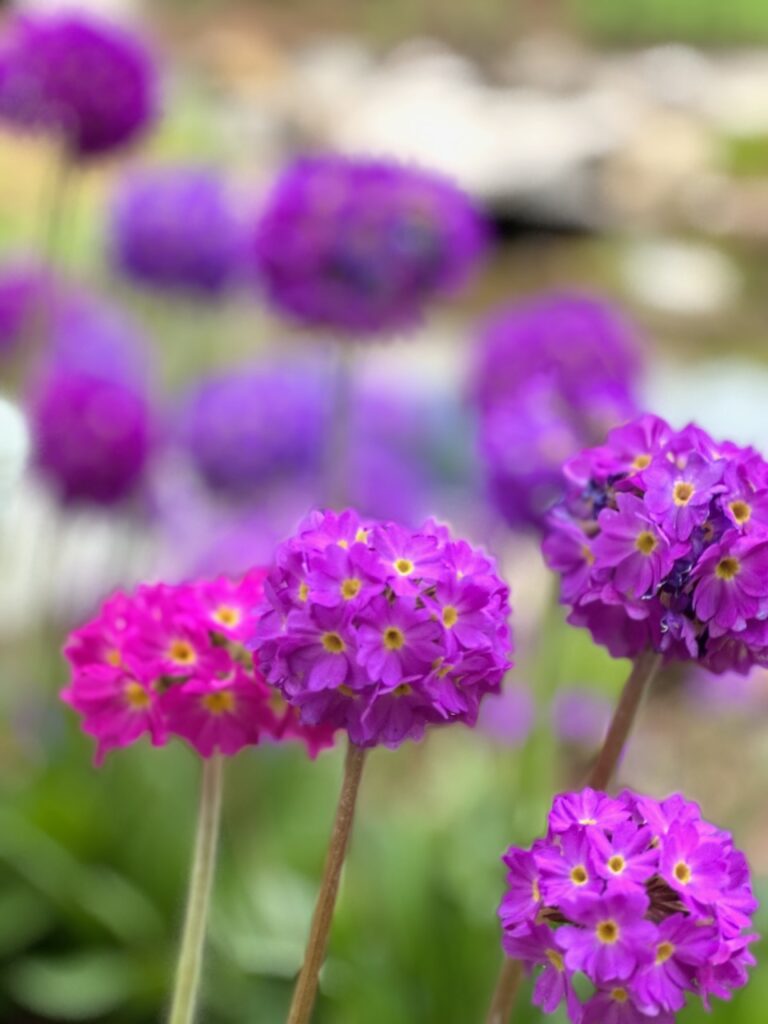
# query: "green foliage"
(706, 21)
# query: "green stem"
(190, 961)
(305, 991)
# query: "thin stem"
(510, 976)
(643, 673)
(306, 985)
(338, 453)
(190, 961)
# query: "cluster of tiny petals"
(382, 630)
(662, 543)
(362, 245)
(171, 661)
(648, 901)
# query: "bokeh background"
(617, 148)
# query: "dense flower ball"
(243, 428)
(644, 898)
(169, 661)
(551, 375)
(382, 630)
(175, 228)
(88, 81)
(363, 245)
(662, 544)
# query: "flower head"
(89, 82)
(168, 661)
(551, 375)
(662, 543)
(648, 901)
(363, 245)
(382, 630)
(175, 229)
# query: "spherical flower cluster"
(88, 81)
(243, 428)
(382, 630)
(644, 898)
(551, 375)
(362, 245)
(170, 661)
(662, 544)
(175, 229)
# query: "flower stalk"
(189, 967)
(305, 991)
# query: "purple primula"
(644, 898)
(662, 543)
(381, 630)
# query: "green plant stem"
(644, 671)
(188, 970)
(305, 991)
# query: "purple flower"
(662, 543)
(610, 937)
(23, 290)
(175, 228)
(243, 429)
(88, 81)
(362, 245)
(349, 635)
(644, 898)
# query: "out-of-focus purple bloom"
(363, 245)
(23, 290)
(509, 716)
(244, 428)
(580, 716)
(551, 375)
(175, 228)
(354, 632)
(92, 422)
(88, 81)
(647, 900)
(638, 574)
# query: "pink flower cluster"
(382, 630)
(171, 661)
(645, 898)
(662, 543)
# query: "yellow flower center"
(361, 537)
(642, 461)
(404, 566)
(664, 951)
(394, 638)
(586, 554)
(226, 615)
(617, 864)
(587, 821)
(350, 587)
(741, 511)
(646, 543)
(113, 657)
(620, 995)
(346, 690)
(182, 652)
(136, 696)
(450, 616)
(303, 591)
(219, 703)
(402, 690)
(607, 932)
(343, 544)
(727, 568)
(579, 875)
(682, 493)
(536, 891)
(682, 872)
(333, 643)
(555, 959)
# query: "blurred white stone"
(725, 396)
(685, 278)
(14, 450)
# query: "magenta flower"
(644, 898)
(170, 661)
(610, 937)
(662, 544)
(381, 630)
